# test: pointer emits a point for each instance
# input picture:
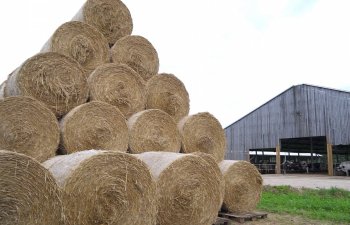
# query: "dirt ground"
(299, 180)
(286, 219)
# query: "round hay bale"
(104, 187)
(94, 125)
(138, 53)
(214, 166)
(27, 126)
(118, 85)
(111, 17)
(2, 90)
(188, 191)
(53, 78)
(29, 194)
(168, 93)
(202, 132)
(153, 130)
(81, 42)
(243, 186)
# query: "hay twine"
(188, 189)
(203, 132)
(94, 125)
(153, 130)
(243, 186)
(27, 126)
(138, 53)
(168, 93)
(81, 42)
(111, 17)
(28, 193)
(118, 85)
(105, 187)
(54, 79)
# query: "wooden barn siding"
(301, 111)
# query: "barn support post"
(278, 160)
(312, 154)
(330, 159)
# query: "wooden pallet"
(222, 221)
(241, 218)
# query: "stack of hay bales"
(94, 85)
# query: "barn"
(306, 128)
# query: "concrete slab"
(307, 181)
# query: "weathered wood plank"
(300, 111)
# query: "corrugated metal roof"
(315, 86)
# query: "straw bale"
(138, 53)
(94, 125)
(29, 194)
(243, 186)
(188, 191)
(153, 130)
(105, 187)
(27, 126)
(214, 166)
(168, 93)
(53, 78)
(81, 42)
(203, 132)
(2, 90)
(118, 85)
(111, 17)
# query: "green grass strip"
(322, 204)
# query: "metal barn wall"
(300, 111)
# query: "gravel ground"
(308, 181)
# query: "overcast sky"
(232, 55)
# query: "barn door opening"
(304, 155)
(264, 159)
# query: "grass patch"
(322, 204)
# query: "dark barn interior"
(300, 155)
